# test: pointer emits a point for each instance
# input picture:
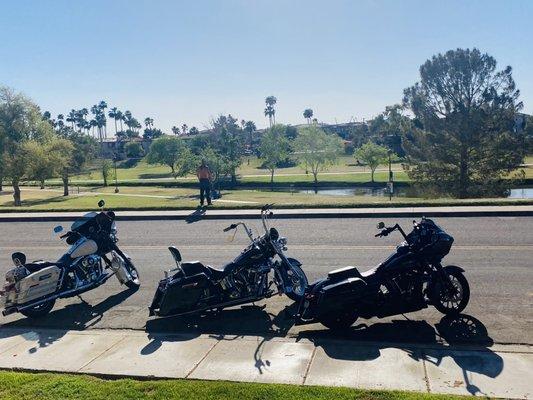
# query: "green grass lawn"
(145, 171)
(161, 198)
(45, 386)
(344, 172)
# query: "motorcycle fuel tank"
(83, 247)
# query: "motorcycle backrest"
(19, 259)
(176, 254)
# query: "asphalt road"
(497, 254)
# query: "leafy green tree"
(316, 150)
(82, 150)
(464, 110)
(274, 148)
(16, 168)
(20, 121)
(193, 131)
(133, 149)
(249, 127)
(152, 133)
(40, 162)
(174, 153)
(308, 114)
(107, 167)
(229, 142)
(372, 155)
(389, 127)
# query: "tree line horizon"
(460, 138)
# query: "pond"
(517, 193)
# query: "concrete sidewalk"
(377, 212)
(499, 371)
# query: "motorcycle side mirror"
(58, 229)
(381, 225)
(101, 203)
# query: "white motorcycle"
(93, 257)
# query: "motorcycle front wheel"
(40, 310)
(451, 300)
(298, 282)
(134, 282)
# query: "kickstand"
(81, 299)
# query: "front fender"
(453, 268)
(294, 261)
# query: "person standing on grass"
(204, 177)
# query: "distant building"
(112, 146)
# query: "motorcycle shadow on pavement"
(74, 316)
(228, 324)
(451, 337)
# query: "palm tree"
(270, 111)
(184, 129)
(128, 119)
(120, 118)
(93, 124)
(60, 123)
(149, 122)
(308, 114)
(249, 126)
(102, 106)
(113, 113)
(71, 117)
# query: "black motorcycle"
(193, 287)
(409, 280)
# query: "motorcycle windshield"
(80, 221)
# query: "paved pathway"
(501, 371)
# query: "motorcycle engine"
(90, 266)
(238, 284)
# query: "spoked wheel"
(339, 321)
(451, 299)
(298, 281)
(40, 310)
(134, 282)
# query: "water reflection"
(519, 193)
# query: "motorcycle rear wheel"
(39, 311)
(340, 321)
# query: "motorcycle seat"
(343, 273)
(349, 272)
(196, 267)
(38, 265)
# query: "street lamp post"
(391, 188)
(115, 166)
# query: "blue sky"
(187, 61)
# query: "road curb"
(515, 211)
